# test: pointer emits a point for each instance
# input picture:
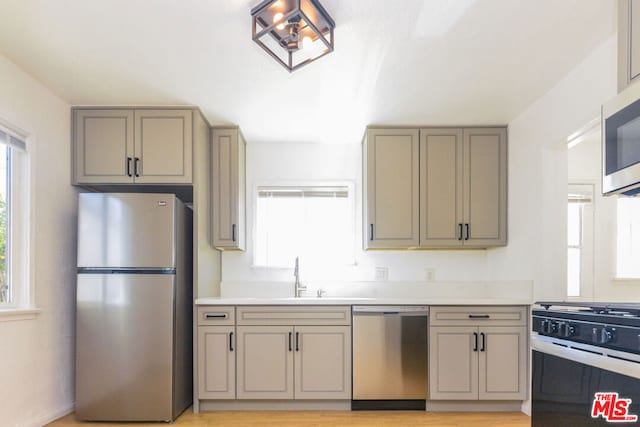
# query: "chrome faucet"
(298, 286)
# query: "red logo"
(612, 408)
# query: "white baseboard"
(46, 419)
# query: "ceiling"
(434, 62)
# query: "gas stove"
(609, 325)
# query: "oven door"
(582, 385)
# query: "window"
(574, 240)
(628, 250)
(315, 223)
(580, 240)
(13, 292)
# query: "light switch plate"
(382, 274)
(430, 274)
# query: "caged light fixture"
(294, 32)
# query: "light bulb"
(277, 17)
(307, 43)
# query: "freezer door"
(124, 347)
(126, 230)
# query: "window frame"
(351, 187)
(586, 190)
(18, 237)
(618, 276)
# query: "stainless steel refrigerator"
(134, 307)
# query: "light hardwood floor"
(330, 418)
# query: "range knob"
(602, 336)
(548, 327)
(566, 330)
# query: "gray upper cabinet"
(163, 146)
(435, 187)
(391, 181)
(463, 187)
(441, 196)
(103, 142)
(228, 188)
(628, 42)
(129, 146)
(484, 187)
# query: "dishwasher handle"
(390, 310)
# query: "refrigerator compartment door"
(124, 347)
(126, 230)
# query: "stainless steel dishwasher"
(389, 357)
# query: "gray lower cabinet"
(273, 353)
(628, 42)
(217, 362)
(216, 352)
(473, 357)
(132, 146)
(301, 362)
(322, 362)
(265, 362)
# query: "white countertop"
(359, 301)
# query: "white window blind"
(12, 141)
(315, 223)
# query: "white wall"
(538, 173)
(537, 195)
(584, 166)
(37, 355)
(269, 163)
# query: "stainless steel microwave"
(621, 143)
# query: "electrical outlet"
(430, 274)
(382, 274)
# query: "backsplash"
(498, 290)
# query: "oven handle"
(599, 357)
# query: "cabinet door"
(163, 146)
(503, 363)
(216, 362)
(103, 144)
(265, 362)
(322, 362)
(228, 171)
(453, 363)
(634, 39)
(441, 187)
(628, 42)
(485, 187)
(392, 180)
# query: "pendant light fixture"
(294, 32)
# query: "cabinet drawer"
(478, 315)
(213, 315)
(289, 315)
